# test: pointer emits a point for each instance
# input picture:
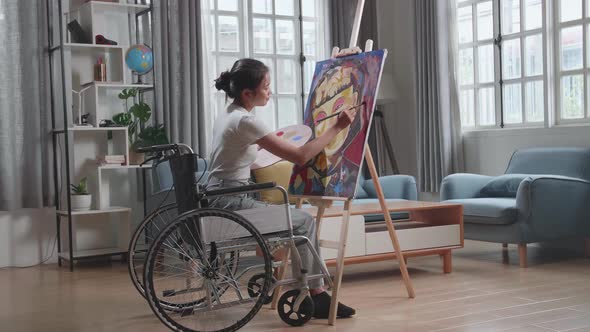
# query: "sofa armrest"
(554, 207)
(394, 186)
(462, 185)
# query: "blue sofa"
(544, 195)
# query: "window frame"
(474, 45)
(524, 79)
(246, 17)
(499, 84)
(558, 26)
(275, 56)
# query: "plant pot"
(136, 158)
(81, 202)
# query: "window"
(270, 31)
(572, 28)
(501, 66)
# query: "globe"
(140, 59)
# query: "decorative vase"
(136, 158)
(81, 202)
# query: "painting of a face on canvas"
(337, 85)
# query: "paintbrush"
(336, 114)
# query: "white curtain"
(209, 75)
(453, 142)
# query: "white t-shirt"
(233, 149)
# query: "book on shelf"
(114, 159)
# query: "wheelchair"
(203, 268)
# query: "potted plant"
(81, 200)
(136, 119)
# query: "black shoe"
(322, 307)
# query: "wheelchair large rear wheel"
(187, 268)
(143, 238)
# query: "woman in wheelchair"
(237, 133)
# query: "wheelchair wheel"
(143, 238)
(188, 269)
(287, 312)
(255, 285)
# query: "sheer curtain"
(26, 164)
(208, 76)
(440, 148)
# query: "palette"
(297, 135)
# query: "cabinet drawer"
(416, 236)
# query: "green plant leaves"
(151, 135)
(122, 119)
(80, 188)
(135, 118)
(141, 111)
(128, 93)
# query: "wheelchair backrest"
(163, 176)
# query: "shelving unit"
(105, 229)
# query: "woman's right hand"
(345, 118)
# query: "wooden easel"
(323, 202)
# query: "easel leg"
(318, 220)
(392, 234)
(298, 203)
(339, 263)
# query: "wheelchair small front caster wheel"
(255, 284)
(287, 311)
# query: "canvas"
(339, 84)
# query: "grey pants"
(303, 225)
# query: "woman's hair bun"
(223, 81)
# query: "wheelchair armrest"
(241, 189)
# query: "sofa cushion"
(566, 161)
(491, 211)
(280, 173)
(361, 193)
(503, 186)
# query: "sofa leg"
(522, 254)
(505, 254)
(447, 262)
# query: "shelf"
(113, 209)
(118, 85)
(93, 253)
(130, 8)
(91, 128)
(104, 167)
(93, 46)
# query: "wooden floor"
(482, 294)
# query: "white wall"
(488, 152)
(27, 236)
